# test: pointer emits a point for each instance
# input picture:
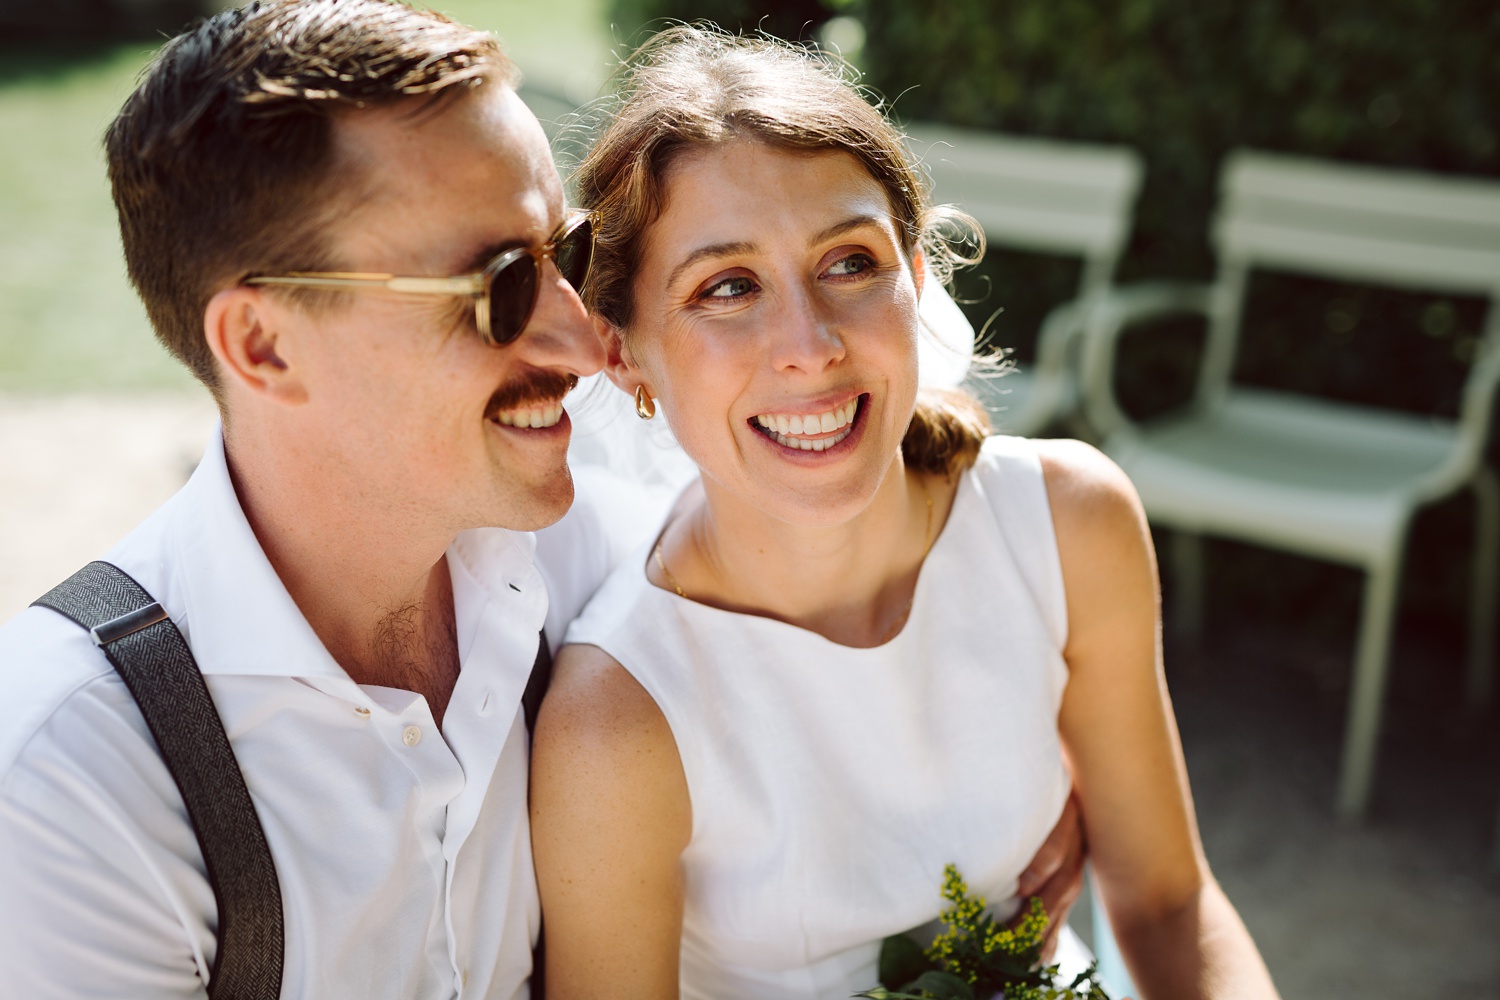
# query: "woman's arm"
(610, 818)
(1177, 930)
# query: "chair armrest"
(1475, 410)
(1103, 317)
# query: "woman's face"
(776, 321)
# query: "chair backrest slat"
(1067, 198)
(1360, 223)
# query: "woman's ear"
(244, 329)
(918, 270)
(618, 365)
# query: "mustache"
(534, 387)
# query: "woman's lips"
(810, 431)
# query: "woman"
(874, 642)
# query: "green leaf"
(901, 961)
(942, 986)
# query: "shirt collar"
(240, 619)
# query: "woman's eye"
(729, 288)
(855, 263)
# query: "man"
(333, 566)
(350, 563)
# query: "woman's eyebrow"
(714, 250)
(840, 228)
(708, 253)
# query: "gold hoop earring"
(645, 406)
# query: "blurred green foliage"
(1403, 82)
(69, 21)
(793, 19)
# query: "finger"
(1049, 942)
(1062, 889)
(1065, 839)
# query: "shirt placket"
(501, 616)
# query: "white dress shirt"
(403, 852)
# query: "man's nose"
(559, 334)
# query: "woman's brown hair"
(690, 87)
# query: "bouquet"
(976, 958)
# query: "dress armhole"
(1009, 474)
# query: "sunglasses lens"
(512, 296)
(575, 252)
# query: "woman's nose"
(805, 336)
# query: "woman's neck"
(851, 582)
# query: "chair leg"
(1187, 585)
(1495, 857)
(1484, 589)
(1367, 693)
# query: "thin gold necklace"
(666, 572)
(900, 620)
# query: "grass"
(68, 317)
(69, 320)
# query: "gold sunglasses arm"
(470, 284)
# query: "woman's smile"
(815, 432)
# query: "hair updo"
(691, 87)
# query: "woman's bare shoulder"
(602, 747)
(1103, 541)
(1083, 481)
(593, 699)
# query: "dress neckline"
(959, 508)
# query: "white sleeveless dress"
(830, 785)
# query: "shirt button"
(411, 736)
(362, 712)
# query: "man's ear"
(243, 329)
(618, 365)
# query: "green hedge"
(793, 19)
(1402, 82)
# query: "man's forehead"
(475, 166)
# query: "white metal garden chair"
(1326, 479)
(1066, 198)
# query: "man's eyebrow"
(487, 253)
(708, 253)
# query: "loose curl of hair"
(693, 86)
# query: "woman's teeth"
(786, 428)
(535, 416)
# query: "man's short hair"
(221, 160)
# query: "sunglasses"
(504, 292)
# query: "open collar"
(222, 591)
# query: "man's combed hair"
(693, 87)
(221, 160)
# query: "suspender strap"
(154, 660)
(536, 684)
(531, 703)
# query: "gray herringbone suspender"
(158, 668)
